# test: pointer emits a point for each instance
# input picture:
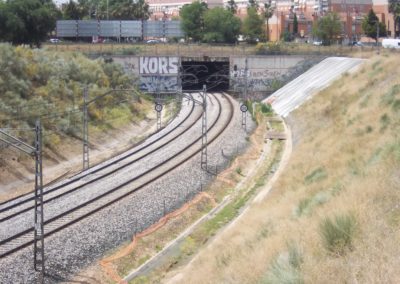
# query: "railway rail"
(14, 202)
(52, 193)
(56, 223)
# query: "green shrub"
(287, 36)
(274, 47)
(276, 84)
(266, 108)
(131, 50)
(268, 48)
(337, 234)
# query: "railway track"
(20, 205)
(118, 192)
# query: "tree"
(114, 9)
(123, 10)
(221, 25)
(192, 20)
(232, 6)
(328, 28)
(252, 4)
(71, 11)
(295, 25)
(371, 26)
(394, 9)
(253, 26)
(86, 8)
(27, 21)
(268, 13)
(141, 10)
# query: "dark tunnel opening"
(213, 74)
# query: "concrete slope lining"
(296, 92)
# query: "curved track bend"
(115, 191)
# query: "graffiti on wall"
(159, 65)
(159, 84)
(257, 80)
(158, 74)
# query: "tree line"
(106, 9)
(220, 25)
(32, 21)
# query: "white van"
(391, 43)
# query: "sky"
(59, 2)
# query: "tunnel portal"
(212, 72)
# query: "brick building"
(351, 13)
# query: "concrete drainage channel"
(169, 249)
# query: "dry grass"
(206, 49)
(154, 49)
(355, 154)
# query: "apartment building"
(170, 8)
(351, 13)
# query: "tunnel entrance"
(213, 72)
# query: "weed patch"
(393, 149)
(384, 121)
(375, 157)
(394, 217)
(355, 167)
(131, 50)
(337, 234)
(305, 206)
(188, 246)
(286, 268)
(368, 129)
(317, 175)
(140, 280)
(390, 96)
(396, 106)
(265, 231)
(364, 102)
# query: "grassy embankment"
(37, 83)
(334, 215)
(49, 85)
